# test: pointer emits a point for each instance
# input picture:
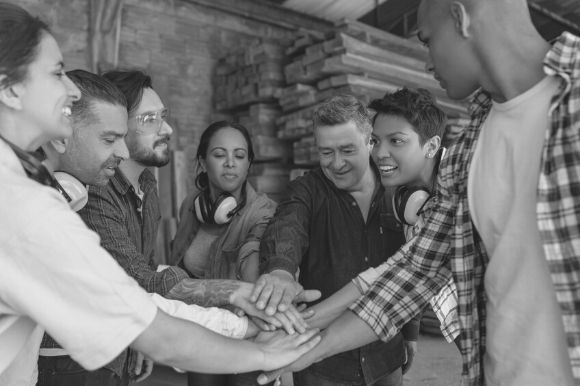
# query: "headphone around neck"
(74, 192)
(219, 212)
(408, 203)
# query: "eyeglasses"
(152, 121)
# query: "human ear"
(461, 18)
(59, 145)
(9, 94)
(432, 146)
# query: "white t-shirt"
(525, 336)
(55, 274)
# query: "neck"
(512, 57)
(366, 185)
(16, 133)
(132, 170)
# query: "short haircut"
(94, 88)
(343, 109)
(418, 107)
(20, 36)
(131, 83)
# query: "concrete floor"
(437, 364)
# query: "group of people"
(485, 232)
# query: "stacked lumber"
(247, 90)
(252, 76)
(354, 59)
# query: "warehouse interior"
(266, 64)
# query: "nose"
(382, 151)
(73, 90)
(121, 150)
(166, 129)
(230, 161)
(337, 162)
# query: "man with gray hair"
(335, 222)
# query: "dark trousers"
(245, 379)
(64, 371)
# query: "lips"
(387, 169)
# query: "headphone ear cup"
(224, 205)
(75, 189)
(407, 203)
(200, 207)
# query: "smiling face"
(46, 94)
(149, 134)
(226, 162)
(98, 145)
(398, 153)
(451, 57)
(344, 154)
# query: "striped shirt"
(449, 245)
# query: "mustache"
(112, 163)
(164, 140)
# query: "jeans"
(64, 371)
(308, 378)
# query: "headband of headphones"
(68, 186)
(408, 203)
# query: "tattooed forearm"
(206, 293)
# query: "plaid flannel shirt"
(449, 245)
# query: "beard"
(151, 157)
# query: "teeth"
(387, 168)
(66, 111)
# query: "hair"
(131, 83)
(94, 88)
(418, 107)
(20, 36)
(343, 109)
(201, 180)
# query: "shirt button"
(353, 204)
(366, 261)
(363, 359)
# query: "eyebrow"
(224, 149)
(112, 132)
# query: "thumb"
(269, 376)
(307, 296)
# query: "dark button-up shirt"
(128, 229)
(321, 230)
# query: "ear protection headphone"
(219, 212)
(408, 202)
(68, 186)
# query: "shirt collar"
(122, 184)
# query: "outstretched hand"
(281, 349)
(291, 320)
(277, 291)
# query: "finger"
(308, 296)
(307, 337)
(287, 324)
(264, 296)
(138, 363)
(274, 303)
(263, 325)
(258, 287)
(148, 369)
(309, 313)
(296, 319)
(301, 307)
(270, 376)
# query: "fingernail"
(262, 379)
